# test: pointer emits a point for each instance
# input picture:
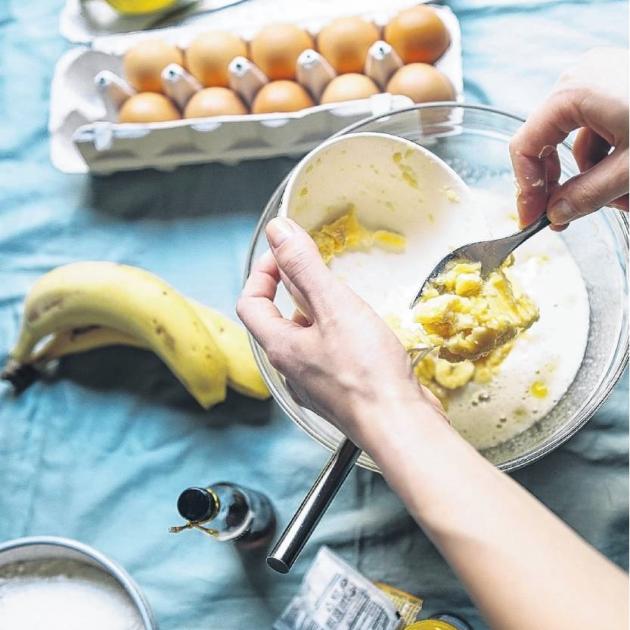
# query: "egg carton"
(85, 136)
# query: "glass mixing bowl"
(473, 140)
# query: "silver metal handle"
(316, 502)
(535, 227)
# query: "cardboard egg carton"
(86, 137)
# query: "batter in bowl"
(497, 397)
(544, 359)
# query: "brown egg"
(144, 62)
(347, 87)
(345, 43)
(209, 54)
(147, 107)
(281, 96)
(214, 101)
(421, 83)
(276, 47)
(418, 34)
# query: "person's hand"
(592, 97)
(338, 357)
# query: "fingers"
(621, 203)
(298, 298)
(298, 259)
(548, 125)
(301, 319)
(255, 307)
(591, 190)
(537, 179)
(533, 152)
(589, 148)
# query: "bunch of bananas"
(87, 305)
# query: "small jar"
(441, 621)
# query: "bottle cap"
(197, 504)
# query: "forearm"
(519, 562)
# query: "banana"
(453, 375)
(243, 374)
(83, 339)
(242, 371)
(131, 301)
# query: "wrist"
(379, 424)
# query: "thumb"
(591, 190)
(300, 263)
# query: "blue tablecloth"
(101, 453)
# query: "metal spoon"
(489, 253)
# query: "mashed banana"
(469, 317)
(442, 376)
(347, 234)
(470, 322)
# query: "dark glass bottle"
(228, 512)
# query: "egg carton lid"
(82, 139)
(83, 21)
(106, 147)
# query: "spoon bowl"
(489, 253)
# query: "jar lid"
(431, 624)
(440, 621)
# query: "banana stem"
(20, 375)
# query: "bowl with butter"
(522, 358)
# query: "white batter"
(544, 359)
(548, 354)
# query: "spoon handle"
(305, 519)
(533, 228)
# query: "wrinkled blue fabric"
(101, 451)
